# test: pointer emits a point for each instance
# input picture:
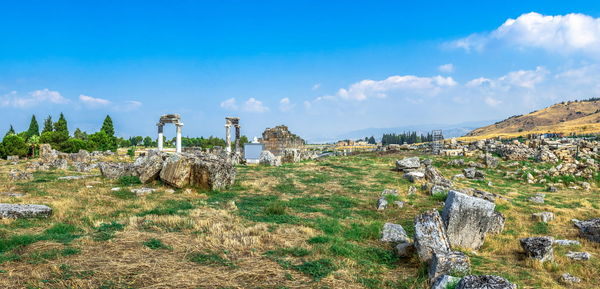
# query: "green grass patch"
(124, 194)
(170, 207)
(210, 259)
(540, 228)
(317, 269)
(106, 231)
(156, 244)
(129, 180)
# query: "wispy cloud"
(367, 88)
(34, 98)
(446, 68)
(250, 105)
(93, 101)
(285, 104)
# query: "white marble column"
(237, 138)
(160, 136)
(178, 138)
(228, 138)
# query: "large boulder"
(496, 225)
(82, 156)
(115, 170)
(15, 211)
(269, 159)
(490, 161)
(148, 168)
(589, 229)
(484, 282)
(473, 173)
(47, 154)
(207, 171)
(212, 172)
(448, 263)
(408, 164)
(291, 155)
(467, 219)
(430, 235)
(539, 248)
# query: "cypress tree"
(48, 125)
(107, 126)
(34, 127)
(10, 131)
(61, 125)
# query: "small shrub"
(541, 228)
(155, 244)
(275, 208)
(129, 180)
(441, 197)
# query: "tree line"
(406, 137)
(57, 134)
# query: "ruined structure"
(174, 119)
(235, 121)
(279, 138)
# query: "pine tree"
(107, 126)
(78, 134)
(34, 127)
(61, 125)
(48, 125)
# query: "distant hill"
(579, 117)
(449, 131)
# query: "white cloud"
(446, 68)
(520, 78)
(93, 101)
(561, 33)
(316, 86)
(251, 105)
(285, 104)
(229, 104)
(34, 98)
(254, 105)
(367, 88)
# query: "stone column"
(228, 138)
(178, 138)
(237, 138)
(160, 136)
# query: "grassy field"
(307, 225)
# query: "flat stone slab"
(71, 178)
(567, 242)
(18, 211)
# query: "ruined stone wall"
(279, 138)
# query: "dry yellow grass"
(334, 198)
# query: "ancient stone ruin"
(279, 138)
(174, 119)
(235, 122)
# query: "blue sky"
(321, 67)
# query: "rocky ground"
(338, 222)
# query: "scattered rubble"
(484, 282)
(539, 248)
(430, 235)
(543, 217)
(589, 229)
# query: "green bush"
(129, 180)
(14, 145)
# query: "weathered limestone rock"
(412, 190)
(408, 164)
(434, 176)
(544, 154)
(467, 219)
(148, 168)
(414, 176)
(268, 158)
(17, 211)
(456, 163)
(430, 235)
(47, 154)
(496, 225)
(405, 249)
(539, 248)
(18, 175)
(445, 282)
(143, 191)
(589, 229)
(82, 156)
(278, 138)
(567, 242)
(448, 263)
(552, 189)
(569, 279)
(484, 282)
(537, 198)
(72, 178)
(58, 164)
(543, 217)
(436, 189)
(115, 170)
(472, 173)
(393, 233)
(12, 158)
(579, 256)
(490, 161)
(382, 204)
(291, 155)
(84, 167)
(206, 171)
